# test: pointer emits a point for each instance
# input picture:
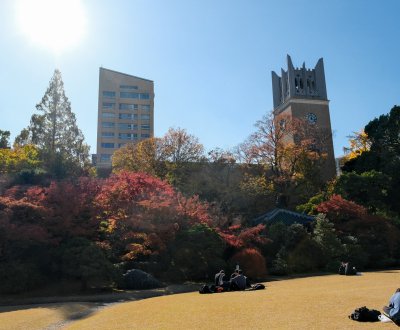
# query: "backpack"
(350, 270)
(363, 314)
(205, 289)
(258, 286)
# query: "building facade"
(301, 93)
(125, 113)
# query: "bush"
(84, 261)
(279, 265)
(252, 262)
(31, 176)
(17, 277)
(305, 257)
(196, 254)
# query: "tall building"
(125, 113)
(301, 93)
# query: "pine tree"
(55, 132)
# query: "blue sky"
(211, 61)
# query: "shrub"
(252, 262)
(17, 277)
(196, 254)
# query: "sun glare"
(57, 25)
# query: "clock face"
(312, 118)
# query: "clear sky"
(210, 60)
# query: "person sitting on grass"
(220, 280)
(239, 282)
(393, 309)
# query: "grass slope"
(321, 302)
(306, 303)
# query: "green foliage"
(327, 240)
(196, 254)
(384, 140)
(311, 206)
(19, 158)
(305, 256)
(18, 277)
(55, 132)
(4, 139)
(369, 189)
(279, 264)
(377, 236)
(83, 260)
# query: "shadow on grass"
(80, 306)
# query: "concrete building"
(125, 113)
(301, 93)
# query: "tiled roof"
(282, 215)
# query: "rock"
(136, 279)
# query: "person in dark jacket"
(239, 282)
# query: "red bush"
(252, 263)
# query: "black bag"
(258, 286)
(363, 314)
(205, 289)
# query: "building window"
(145, 117)
(107, 134)
(128, 87)
(120, 145)
(145, 107)
(108, 94)
(129, 116)
(105, 157)
(123, 126)
(108, 115)
(107, 124)
(145, 127)
(145, 135)
(129, 95)
(108, 105)
(107, 145)
(126, 106)
(144, 96)
(127, 136)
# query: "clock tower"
(301, 93)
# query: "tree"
(287, 154)
(359, 143)
(4, 139)
(146, 156)
(384, 147)
(19, 158)
(141, 214)
(55, 132)
(181, 147)
(196, 252)
(326, 238)
(378, 236)
(369, 189)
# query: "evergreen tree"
(4, 139)
(55, 132)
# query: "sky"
(210, 61)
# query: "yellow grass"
(321, 302)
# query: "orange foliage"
(252, 262)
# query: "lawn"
(321, 302)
